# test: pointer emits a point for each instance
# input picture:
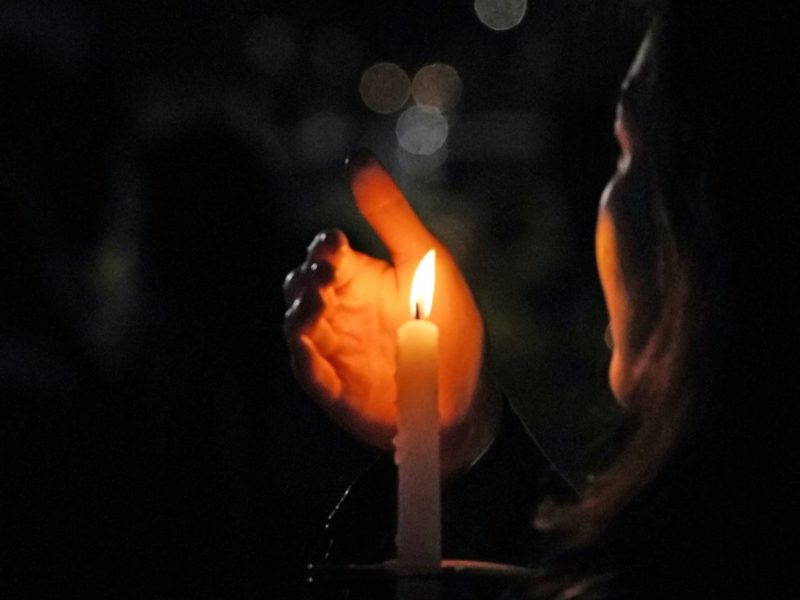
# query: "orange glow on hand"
(343, 320)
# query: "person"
(693, 251)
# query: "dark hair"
(711, 110)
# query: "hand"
(344, 311)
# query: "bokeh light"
(437, 85)
(270, 45)
(384, 88)
(501, 15)
(421, 129)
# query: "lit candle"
(419, 538)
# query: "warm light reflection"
(422, 286)
(501, 15)
(384, 88)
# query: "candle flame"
(421, 297)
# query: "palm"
(363, 315)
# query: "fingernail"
(321, 240)
(293, 308)
(318, 239)
(358, 160)
(287, 281)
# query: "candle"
(419, 537)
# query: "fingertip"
(358, 160)
(292, 284)
(384, 206)
(374, 189)
(373, 186)
(303, 311)
(327, 242)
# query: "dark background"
(164, 164)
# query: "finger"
(305, 318)
(324, 337)
(317, 273)
(315, 374)
(386, 209)
(304, 311)
(326, 244)
(332, 247)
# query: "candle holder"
(456, 580)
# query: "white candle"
(419, 538)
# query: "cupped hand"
(344, 311)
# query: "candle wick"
(416, 310)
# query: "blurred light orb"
(501, 15)
(384, 88)
(421, 129)
(437, 85)
(270, 46)
(335, 55)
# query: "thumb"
(386, 209)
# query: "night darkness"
(164, 165)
